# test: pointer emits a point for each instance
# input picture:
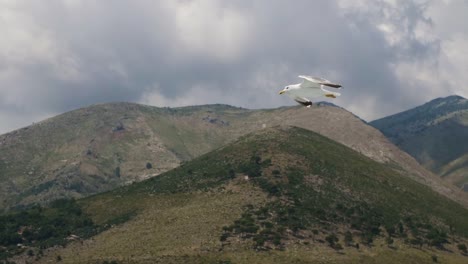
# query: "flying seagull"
(311, 87)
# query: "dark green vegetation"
(41, 228)
(98, 148)
(319, 182)
(436, 134)
(317, 191)
(38, 228)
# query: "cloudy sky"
(390, 55)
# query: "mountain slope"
(436, 134)
(98, 148)
(288, 192)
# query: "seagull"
(311, 87)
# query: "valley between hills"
(435, 134)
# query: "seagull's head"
(286, 89)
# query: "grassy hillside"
(95, 149)
(98, 148)
(436, 134)
(280, 195)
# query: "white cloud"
(26, 42)
(430, 43)
(208, 28)
(442, 72)
(389, 54)
(453, 64)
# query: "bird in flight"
(311, 87)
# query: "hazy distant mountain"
(436, 134)
(279, 195)
(100, 147)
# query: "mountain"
(278, 195)
(436, 134)
(101, 147)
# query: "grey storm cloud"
(59, 55)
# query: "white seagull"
(311, 87)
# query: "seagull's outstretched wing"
(316, 82)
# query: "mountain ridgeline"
(98, 148)
(282, 195)
(436, 134)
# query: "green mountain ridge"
(435, 134)
(279, 195)
(101, 147)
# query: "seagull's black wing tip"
(304, 103)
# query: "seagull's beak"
(282, 92)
